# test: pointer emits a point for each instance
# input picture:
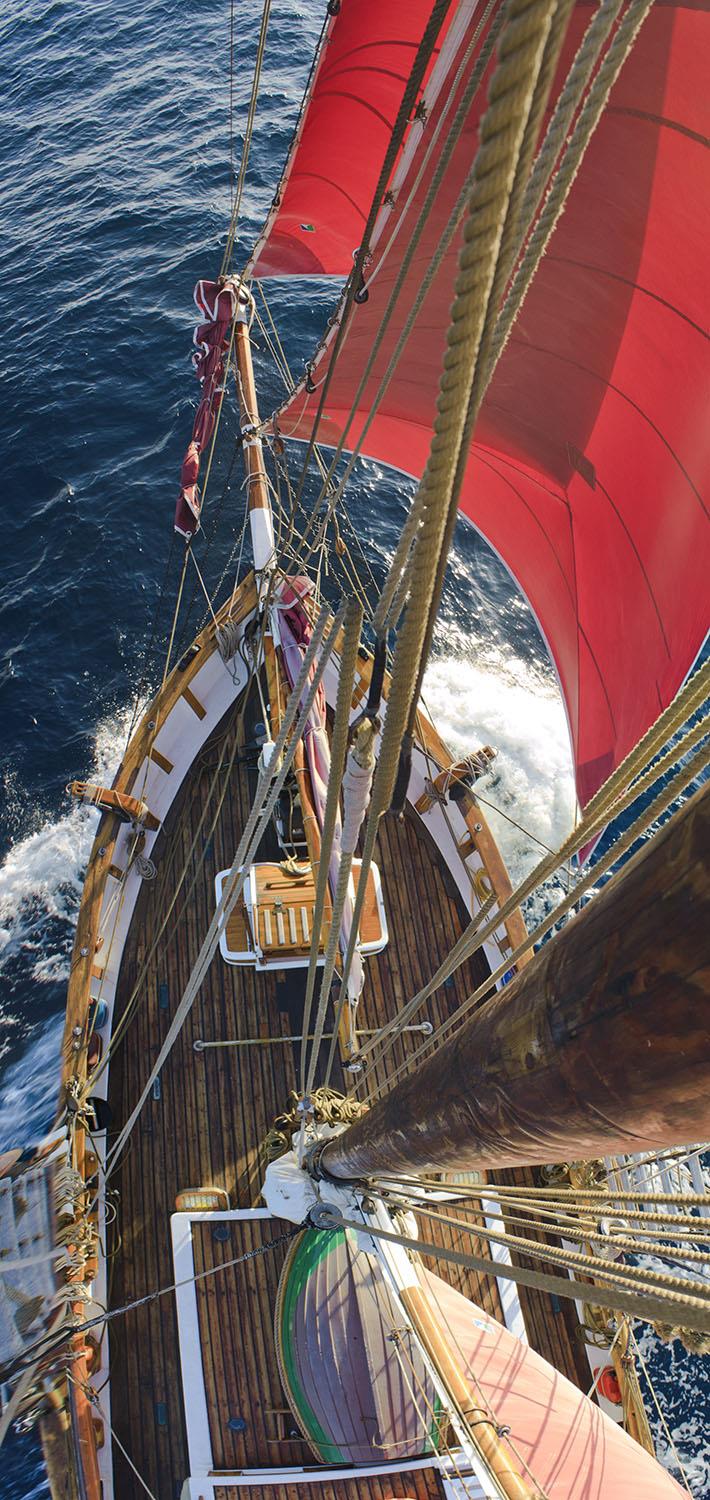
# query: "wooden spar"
(481, 1426)
(260, 517)
(601, 1045)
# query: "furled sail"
(589, 472)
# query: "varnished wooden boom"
(601, 1045)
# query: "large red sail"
(590, 469)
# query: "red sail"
(589, 473)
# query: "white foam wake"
(41, 875)
(507, 705)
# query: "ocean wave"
(41, 875)
(30, 1086)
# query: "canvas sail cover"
(570, 1448)
(590, 466)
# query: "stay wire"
(43, 1350)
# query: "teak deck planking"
(214, 1110)
(410, 1484)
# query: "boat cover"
(356, 1385)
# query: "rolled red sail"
(216, 301)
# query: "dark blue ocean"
(114, 199)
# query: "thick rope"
(501, 134)
(338, 750)
(568, 102)
(696, 1313)
(418, 228)
(419, 66)
(581, 1224)
(363, 752)
(617, 1271)
(686, 774)
(508, 252)
(557, 195)
(609, 801)
(466, 946)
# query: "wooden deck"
(207, 1122)
(411, 1484)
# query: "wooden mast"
(601, 1045)
(260, 516)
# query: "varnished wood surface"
(214, 1110)
(414, 1484)
(236, 1313)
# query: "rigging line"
(267, 793)
(474, 935)
(248, 133)
(137, 834)
(672, 1156)
(231, 104)
(433, 769)
(452, 139)
(403, 561)
(598, 1197)
(51, 1345)
(11, 1407)
(121, 1028)
(401, 1352)
(142, 682)
(92, 1397)
(501, 132)
(426, 144)
(582, 1232)
(596, 1265)
(557, 17)
(127, 1014)
(453, 1404)
(276, 354)
(656, 1403)
(623, 1323)
(492, 805)
(129, 1011)
(424, 52)
(648, 816)
(328, 18)
(565, 175)
(435, 1424)
(566, 106)
(209, 536)
(669, 1163)
(676, 1227)
(649, 1309)
(191, 553)
(173, 627)
(471, 1376)
(352, 626)
(229, 365)
(237, 548)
